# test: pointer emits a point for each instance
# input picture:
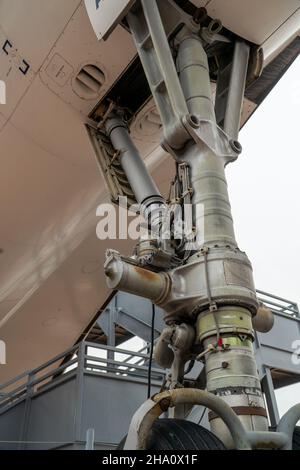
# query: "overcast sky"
(264, 188)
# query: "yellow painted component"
(232, 320)
(236, 341)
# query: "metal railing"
(26, 384)
(120, 367)
(141, 360)
(278, 304)
(81, 358)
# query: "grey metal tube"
(163, 355)
(135, 169)
(127, 277)
(288, 422)
(210, 191)
(267, 440)
(192, 66)
(206, 169)
(236, 89)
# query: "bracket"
(147, 24)
(153, 48)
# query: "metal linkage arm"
(177, 92)
(236, 89)
(153, 47)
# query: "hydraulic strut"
(211, 289)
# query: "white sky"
(264, 188)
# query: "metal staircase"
(133, 314)
(99, 386)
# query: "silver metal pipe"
(236, 91)
(163, 355)
(287, 424)
(90, 439)
(215, 222)
(135, 169)
(193, 70)
(267, 440)
(123, 275)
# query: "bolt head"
(236, 146)
(193, 121)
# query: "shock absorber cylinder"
(231, 370)
(224, 330)
(213, 288)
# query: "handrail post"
(81, 353)
(27, 409)
(90, 439)
(111, 340)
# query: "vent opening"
(88, 82)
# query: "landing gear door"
(105, 15)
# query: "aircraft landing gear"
(179, 434)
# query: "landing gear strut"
(204, 283)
